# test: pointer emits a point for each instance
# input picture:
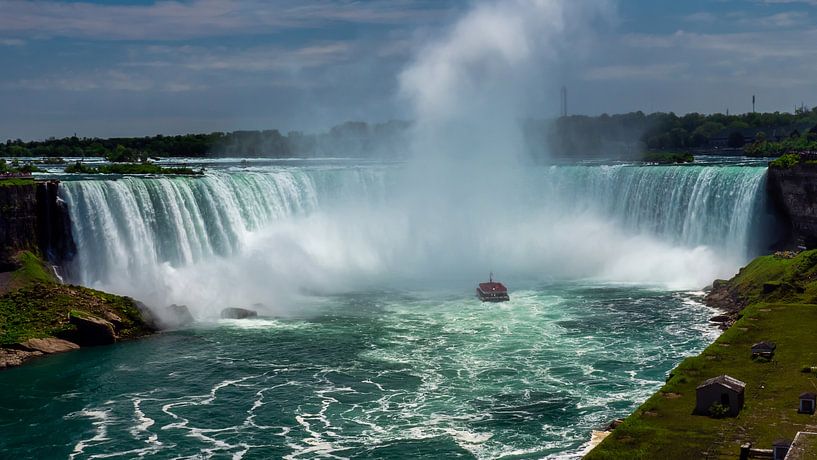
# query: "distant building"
(763, 350)
(807, 403)
(724, 390)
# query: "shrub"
(718, 410)
(785, 161)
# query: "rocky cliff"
(793, 190)
(18, 221)
(32, 217)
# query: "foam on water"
(378, 371)
(279, 235)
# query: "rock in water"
(49, 345)
(10, 357)
(175, 316)
(91, 330)
(238, 313)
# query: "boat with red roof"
(492, 291)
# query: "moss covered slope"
(36, 306)
(780, 293)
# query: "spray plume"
(465, 202)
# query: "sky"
(133, 68)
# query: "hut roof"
(764, 346)
(726, 381)
(781, 443)
(811, 396)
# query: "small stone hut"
(723, 389)
(808, 401)
(763, 350)
(780, 448)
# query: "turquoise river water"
(370, 342)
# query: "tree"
(736, 140)
(122, 154)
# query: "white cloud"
(171, 20)
(11, 42)
(635, 72)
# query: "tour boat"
(492, 291)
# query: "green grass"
(664, 427)
(38, 307)
(15, 182)
(131, 168)
(785, 161)
(32, 269)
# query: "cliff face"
(794, 192)
(32, 217)
(18, 221)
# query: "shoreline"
(773, 298)
(40, 316)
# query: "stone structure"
(724, 390)
(807, 403)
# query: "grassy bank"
(35, 306)
(16, 182)
(781, 294)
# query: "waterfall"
(316, 228)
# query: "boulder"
(720, 319)
(238, 313)
(175, 316)
(614, 424)
(10, 357)
(113, 318)
(147, 315)
(91, 330)
(49, 345)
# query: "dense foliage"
(630, 133)
(352, 138)
(130, 168)
(765, 148)
(624, 135)
(668, 157)
(785, 161)
(16, 168)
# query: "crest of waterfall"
(245, 237)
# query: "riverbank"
(40, 316)
(779, 296)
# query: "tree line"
(633, 133)
(623, 135)
(348, 139)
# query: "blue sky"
(108, 68)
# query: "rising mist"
(467, 201)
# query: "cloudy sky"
(129, 67)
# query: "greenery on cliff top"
(782, 292)
(668, 157)
(570, 136)
(15, 182)
(131, 168)
(37, 306)
(806, 142)
(785, 161)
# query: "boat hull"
(493, 296)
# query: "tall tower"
(564, 101)
(753, 103)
